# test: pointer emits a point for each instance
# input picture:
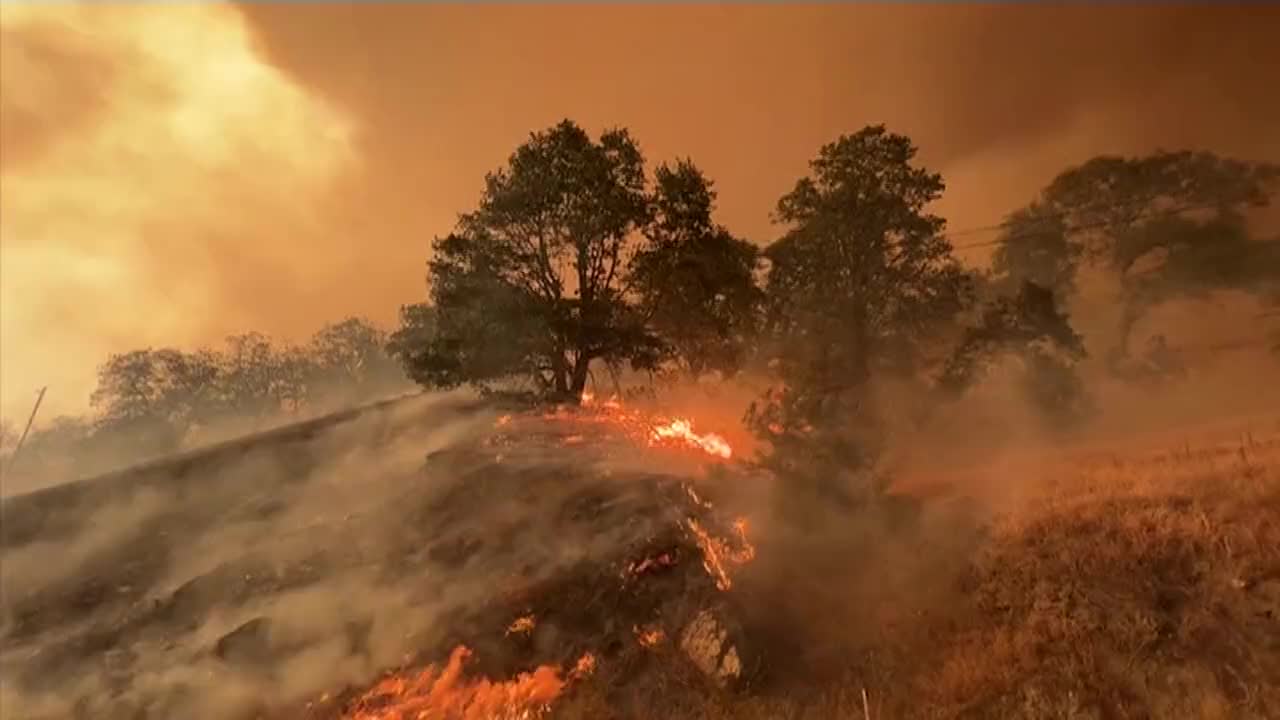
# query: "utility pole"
(18, 448)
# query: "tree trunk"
(560, 376)
(579, 381)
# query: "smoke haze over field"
(173, 174)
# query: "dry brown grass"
(1139, 584)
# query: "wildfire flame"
(649, 637)
(639, 425)
(717, 555)
(436, 693)
(522, 625)
(650, 564)
(681, 429)
(443, 694)
(585, 666)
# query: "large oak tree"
(564, 262)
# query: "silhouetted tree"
(860, 284)
(696, 281)
(558, 266)
(1031, 327)
(411, 341)
(155, 395)
(1035, 247)
(257, 378)
(1168, 225)
(530, 283)
(348, 360)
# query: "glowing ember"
(717, 555)
(697, 499)
(650, 564)
(683, 430)
(637, 425)
(650, 637)
(584, 667)
(522, 625)
(435, 694)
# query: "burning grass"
(611, 416)
(533, 580)
(1140, 587)
(666, 580)
(435, 693)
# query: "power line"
(1166, 212)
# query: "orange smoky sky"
(174, 173)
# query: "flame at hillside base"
(654, 430)
(444, 694)
(682, 430)
(718, 555)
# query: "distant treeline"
(154, 401)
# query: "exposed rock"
(247, 645)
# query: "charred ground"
(367, 542)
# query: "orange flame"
(681, 429)
(638, 425)
(717, 555)
(650, 637)
(522, 625)
(435, 694)
(585, 666)
(649, 564)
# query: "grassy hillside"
(1138, 579)
(1144, 585)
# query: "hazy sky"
(171, 174)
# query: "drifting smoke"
(275, 572)
(146, 150)
(254, 540)
(277, 569)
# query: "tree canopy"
(695, 280)
(563, 263)
(859, 284)
(157, 395)
(1168, 225)
(1032, 327)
